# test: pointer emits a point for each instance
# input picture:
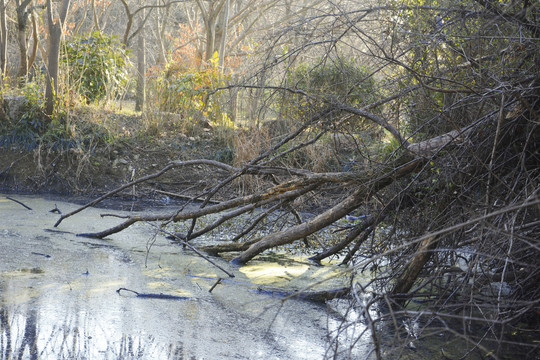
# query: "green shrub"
(33, 117)
(30, 122)
(189, 92)
(97, 64)
(348, 82)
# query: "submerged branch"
(152, 295)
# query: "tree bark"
(141, 72)
(409, 275)
(35, 43)
(95, 17)
(3, 41)
(56, 26)
(223, 33)
(22, 21)
(161, 24)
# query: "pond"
(137, 295)
(59, 295)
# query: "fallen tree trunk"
(410, 274)
(367, 182)
(259, 199)
(321, 221)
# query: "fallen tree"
(443, 153)
(368, 183)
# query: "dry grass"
(248, 144)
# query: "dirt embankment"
(76, 172)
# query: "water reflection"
(73, 324)
(65, 305)
(21, 339)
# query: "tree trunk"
(3, 40)
(223, 34)
(35, 43)
(3, 56)
(141, 70)
(23, 51)
(409, 275)
(95, 16)
(55, 25)
(161, 24)
(51, 88)
(210, 40)
(22, 21)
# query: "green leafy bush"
(29, 123)
(186, 91)
(97, 64)
(348, 82)
(340, 81)
(33, 116)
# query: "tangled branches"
(443, 153)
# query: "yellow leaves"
(215, 60)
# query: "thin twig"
(185, 243)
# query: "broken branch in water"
(56, 210)
(215, 284)
(153, 296)
(18, 202)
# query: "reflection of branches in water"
(30, 335)
(12, 342)
(5, 335)
(69, 341)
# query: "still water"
(59, 299)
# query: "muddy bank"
(89, 173)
